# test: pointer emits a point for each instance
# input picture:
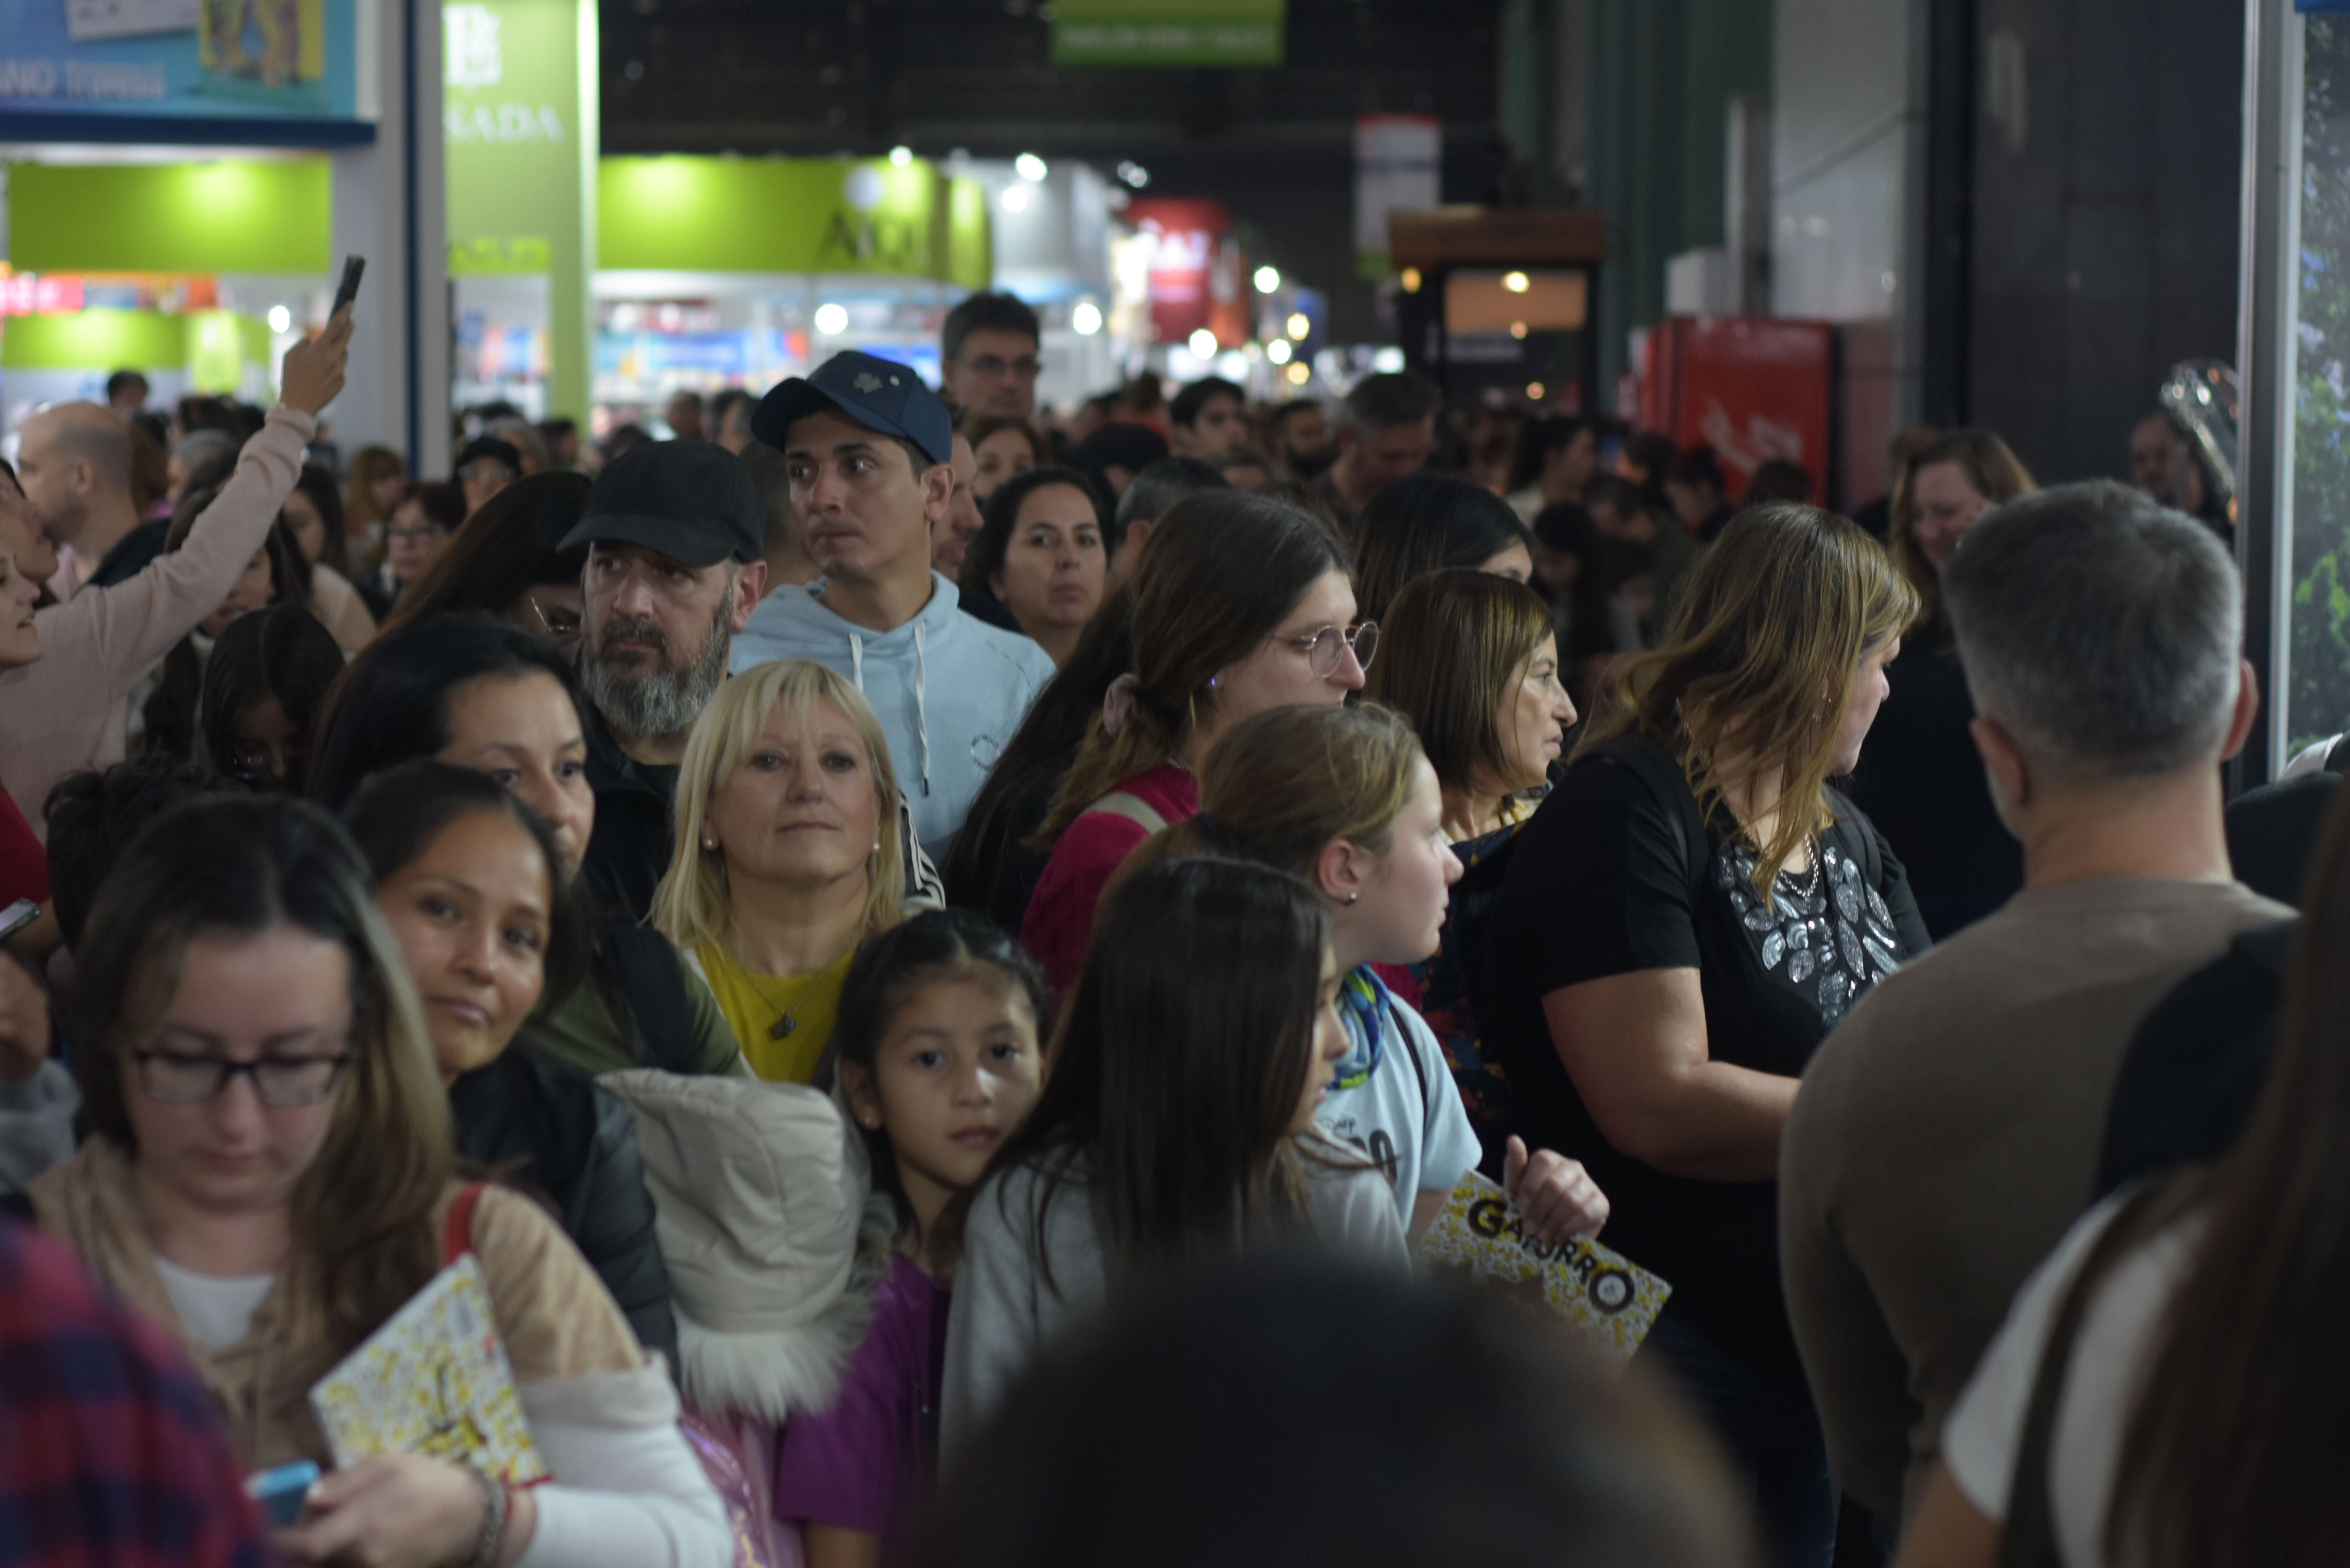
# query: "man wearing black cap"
(674, 566)
(870, 451)
(486, 466)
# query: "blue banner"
(246, 60)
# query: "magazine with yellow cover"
(1612, 1300)
(433, 1380)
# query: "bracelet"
(495, 1503)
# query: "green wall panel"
(115, 339)
(788, 214)
(231, 215)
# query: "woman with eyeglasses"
(269, 1177)
(505, 560)
(418, 533)
(1215, 642)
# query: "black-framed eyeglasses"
(1324, 650)
(180, 1078)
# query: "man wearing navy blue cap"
(869, 448)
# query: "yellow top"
(755, 1005)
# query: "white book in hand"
(433, 1380)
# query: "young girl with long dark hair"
(937, 1053)
(1178, 1126)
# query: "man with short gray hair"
(1948, 1134)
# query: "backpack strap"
(1649, 762)
(2029, 1537)
(1403, 1035)
(459, 1238)
(1133, 807)
(650, 981)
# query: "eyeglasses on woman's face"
(194, 1078)
(1324, 650)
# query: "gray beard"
(667, 700)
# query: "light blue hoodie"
(949, 688)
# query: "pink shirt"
(1060, 918)
(66, 713)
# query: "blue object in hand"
(282, 1492)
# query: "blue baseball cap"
(880, 394)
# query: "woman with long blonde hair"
(1922, 783)
(1689, 913)
(789, 838)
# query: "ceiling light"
(1278, 350)
(1031, 168)
(1516, 282)
(831, 319)
(1085, 319)
(1268, 278)
(1015, 198)
(899, 157)
(280, 318)
(1203, 344)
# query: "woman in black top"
(1684, 919)
(1922, 782)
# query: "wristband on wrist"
(497, 1504)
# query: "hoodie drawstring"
(922, 690)
(922, 703)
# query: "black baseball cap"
(880, 394)
(490, 447)
(693, 501)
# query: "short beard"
(666, 700)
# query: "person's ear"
(2248, 710)
(938, 491)
(1136, 533)
(1339, 871)
(857, 1087)
(2003, 760)
(750, 588)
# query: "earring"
(1352, 897)
(710, 845)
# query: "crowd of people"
(941, 962)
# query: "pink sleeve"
(135, 623)
(1060, 918)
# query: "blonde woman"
(1689, 913)
(1923, 782)
(788, 854)
(269, 1177)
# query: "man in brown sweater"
(1947, 1132)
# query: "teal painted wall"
(1661, 74)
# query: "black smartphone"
(352, 267)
